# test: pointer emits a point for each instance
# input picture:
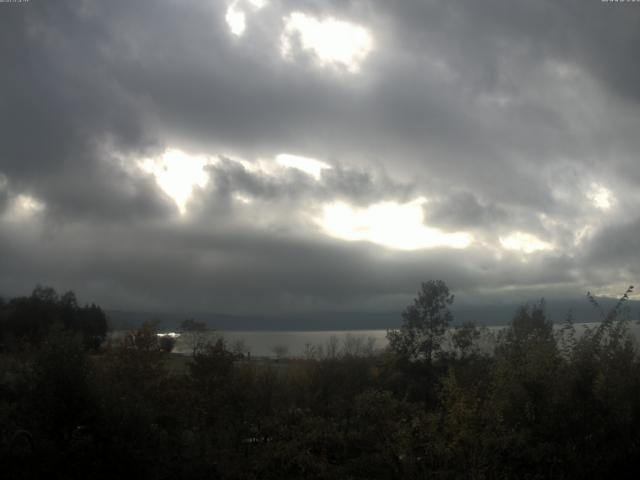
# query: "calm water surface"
(298, 343)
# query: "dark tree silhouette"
(464, 337)
(425, 323)
(194, 334)
(31, 318)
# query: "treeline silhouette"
(541, 403)
(29, 320)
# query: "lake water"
(289, 343)
(300, 343)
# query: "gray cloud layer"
(504, 115)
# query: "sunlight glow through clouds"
(394, 225)
(236, 19)
(24, 207)
(524, 242)
(177, 173)
(243, 199)
(601, 197)
(310, 166)
(334, 42)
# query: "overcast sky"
(265, 156)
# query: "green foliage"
(60, 374)
(465, 338)
(544, 404)
(211, 365)
(425, 322)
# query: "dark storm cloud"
(4, 195)
(464, 210)
(616, 247)
(245, 271)
(427, 105)
(61, 107)
(355, 185)
(600, 37)
(503, 114)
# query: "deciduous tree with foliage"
(194, 334)
(425, 322)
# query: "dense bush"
(543, 403)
